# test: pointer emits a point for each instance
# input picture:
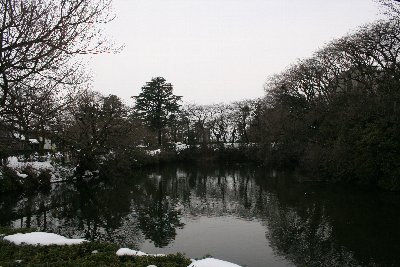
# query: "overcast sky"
(218, 50)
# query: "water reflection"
(221, 210)
(157, 214)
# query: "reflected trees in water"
(157, 214)
(307, 224)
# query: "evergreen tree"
(157, 105)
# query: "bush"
(11, 181)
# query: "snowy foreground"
(44, 239)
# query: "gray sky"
(218, 50)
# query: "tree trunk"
(159, 137)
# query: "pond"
(240, 213)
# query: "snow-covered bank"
(40, 238)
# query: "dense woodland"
(337, 112)
(334, 115)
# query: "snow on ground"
(17, 165)
(58, 171)
(210, 262)
(141, 146)
(44, 239)
(232, 145)
(23, 176)
(180, 147)
(130, 252)
(40, 238)
(33, 141)
(153, 152)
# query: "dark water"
(242, 214)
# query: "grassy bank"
(87, 254)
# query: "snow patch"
(153, 152)
(210, 262)
(15, 164)
(180, 147)
(33, 141)
(23, 176)
(41, 238)
(141, 146)
(130, 252)
(58, 172)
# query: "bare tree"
(391, 8)
(39, 44)
(199, 117)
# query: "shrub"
(10, 181)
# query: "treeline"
(218, 123)
(337, 113)
(95, 127)
(92, 128)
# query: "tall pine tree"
(157, 105)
